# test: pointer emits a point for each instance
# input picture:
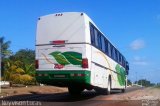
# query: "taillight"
(37, 64)
(57, 42)
(85, 63)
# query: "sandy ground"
(151, 93)
(145, 93)
(142, 97)
(30, 90)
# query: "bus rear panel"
(61, 59)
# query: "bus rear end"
(61, 58)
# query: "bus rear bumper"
(64, 78)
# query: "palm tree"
(16, 73)
(5, 48)
(5, 52)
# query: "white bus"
(72, 52)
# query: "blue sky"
(133, 26)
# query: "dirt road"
(49, 95)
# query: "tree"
(20, 67)
(129, 82)
(27, 57)
(5, 47)
(144, 82)
(15, 74)
(5, 52)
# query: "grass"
(157, 86)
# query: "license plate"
(59, 76)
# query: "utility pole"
(141, 82)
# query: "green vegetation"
(157, 85)
(18, 68)
(5, 52)
(144, 82)
(5, 47)
(129, 82)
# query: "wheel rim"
(109, 86)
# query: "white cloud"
(137, 60)
(137, 44)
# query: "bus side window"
(106, 46)
(120, 58)
(99, 41)
(109, 49)
(103, 43)
(92, 35)
(96, 37)
(122, 61)
(116, 55)
(112, 52)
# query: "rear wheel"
(122, 90)
(108, 90)
(75, 90)
(104, 91)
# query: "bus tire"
(107, 90)
(75, 90)
(109, 86)
(123, 90)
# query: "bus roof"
(86, 18)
